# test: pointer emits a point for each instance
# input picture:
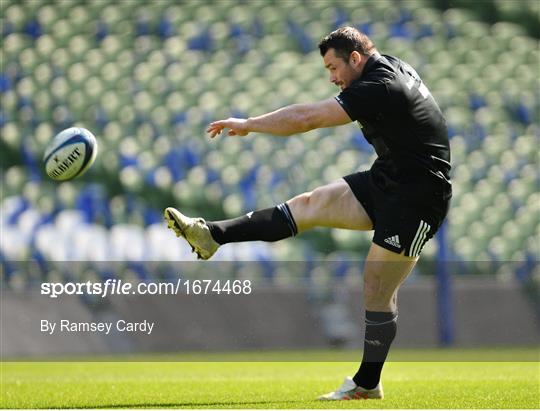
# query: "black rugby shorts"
(399, 224)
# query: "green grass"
(241, 384)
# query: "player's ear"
(355, 58)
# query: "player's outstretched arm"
(297, 118)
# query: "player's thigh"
(331, 205)
(384, 272)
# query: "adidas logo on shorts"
(393, 241)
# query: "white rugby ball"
(70, 153)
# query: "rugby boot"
(350, 391)
(194, 230)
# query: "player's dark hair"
(344, 41)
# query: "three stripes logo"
(393, 241)
(419, 238)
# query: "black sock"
(270, 224)
(381, 329)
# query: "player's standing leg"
(384, 272)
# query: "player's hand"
(236, 126)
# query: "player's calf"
(270, 224)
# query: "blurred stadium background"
(147, 77)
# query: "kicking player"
(404, 197)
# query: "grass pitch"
(277, 384)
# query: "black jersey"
(402, 121)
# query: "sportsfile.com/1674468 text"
(119, 287)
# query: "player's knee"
(371, 293)
(308, 203)
(319, 199)
(312, 202)
(377, 297)
(299, 204)
(313, 208)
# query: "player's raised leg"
(384, 272)
(332, 205)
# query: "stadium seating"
(147, 80)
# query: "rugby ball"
(70, 153)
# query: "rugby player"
(404, 197)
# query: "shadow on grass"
(232, 404)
